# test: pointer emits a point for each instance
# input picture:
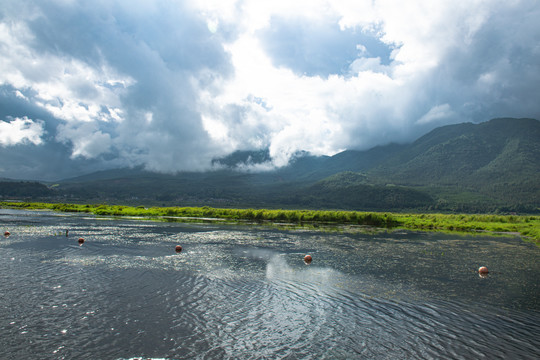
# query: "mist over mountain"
(491, 166)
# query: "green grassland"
(524, 225)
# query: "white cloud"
(21, 131)
(173, 84)
(373, 103)
(20, 95)
(86, 139)
(65, 86)
(68, 88)
(437, 114)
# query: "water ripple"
(237, 293)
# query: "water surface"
(244, 292)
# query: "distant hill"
(350, 190)
(24, 189)
(491, 166)
(500, 150)
(498, 160)
(244, 158)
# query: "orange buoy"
(81, 241)
(483, 270)
(178, 248)
(307, 259)
(7, 233)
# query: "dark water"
(241, 292)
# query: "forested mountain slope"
(491, 166)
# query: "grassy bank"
(524, 225)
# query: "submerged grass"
(524, 225)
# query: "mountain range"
(486, 167)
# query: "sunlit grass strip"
(524, 225)
(528, 226)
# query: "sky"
(169, 85)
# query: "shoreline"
(525, 226)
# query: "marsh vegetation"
(525, 225)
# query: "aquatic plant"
(525, 225)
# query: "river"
(245, 292)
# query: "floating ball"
(7, 233)
(483, 270)
(307, 259)
(178, 248)
(81, 241)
